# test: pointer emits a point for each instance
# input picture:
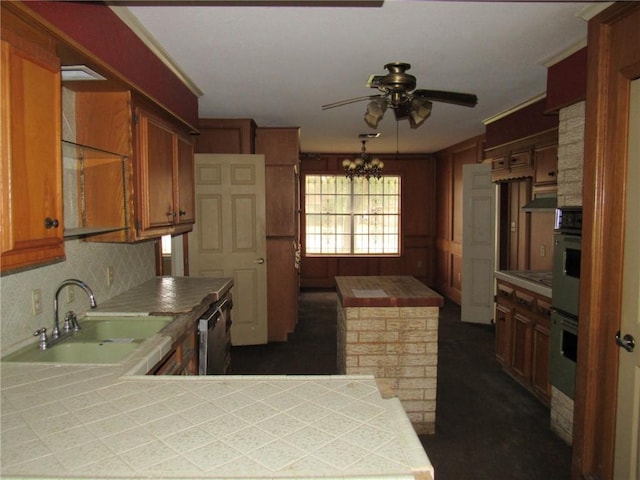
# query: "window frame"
(398, 199)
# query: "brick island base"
(388, 327)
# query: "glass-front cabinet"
(94, 190)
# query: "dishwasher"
(215, 338)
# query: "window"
(352, 217)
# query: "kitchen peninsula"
(114, 421)
(388, 327)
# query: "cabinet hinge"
(138, 225)
(135, 118)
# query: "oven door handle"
(627, 342)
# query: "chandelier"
(363, 165)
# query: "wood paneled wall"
(448, 233)
(418, 206)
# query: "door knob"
(627, 342)
(259, 261)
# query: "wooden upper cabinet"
(31, 208)
(165, 199)
(160, 181)
(226, 135)
(546, 166)
(186, 181)
(534, 156)
(155, 155)
(280, 147)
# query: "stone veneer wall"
(562, 415)
(570, 173)
(571, 154)
(399, 346)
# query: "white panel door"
(229, 237)
(478, 243)
(627, 452)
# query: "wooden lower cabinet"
(521, 346)
(183, 357)
(282, 288)
(522, 322)
(504, 322)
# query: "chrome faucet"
(70, 318)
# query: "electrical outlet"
(36, 302)
(109, 276)
(71, 294)
(543, 250)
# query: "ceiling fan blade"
(349, 100)
(463, 99)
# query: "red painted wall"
(567, 81)
(99, 30)
(523, 123)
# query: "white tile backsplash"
(133, 264)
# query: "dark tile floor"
(487, 426)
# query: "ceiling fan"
(399, 93)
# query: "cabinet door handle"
(182, 212)
(259, 261)
(171, 214)
(51, 222)
(552, 174)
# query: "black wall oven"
(565, 298)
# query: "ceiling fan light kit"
(398, 93)
(375, 112)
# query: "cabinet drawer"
(526, 300)
(499, 163)
(505, 292)
(520, 159)
(543, 309)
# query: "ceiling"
(279, 64)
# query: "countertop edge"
(523, 283)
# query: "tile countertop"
(385, 291)
(536, 281)
(167, 295)
(112, 421)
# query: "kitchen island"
(388, 327)
(114, 421)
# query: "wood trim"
(542, 139)
(613, 61)
(158, 257)
(185, 253)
